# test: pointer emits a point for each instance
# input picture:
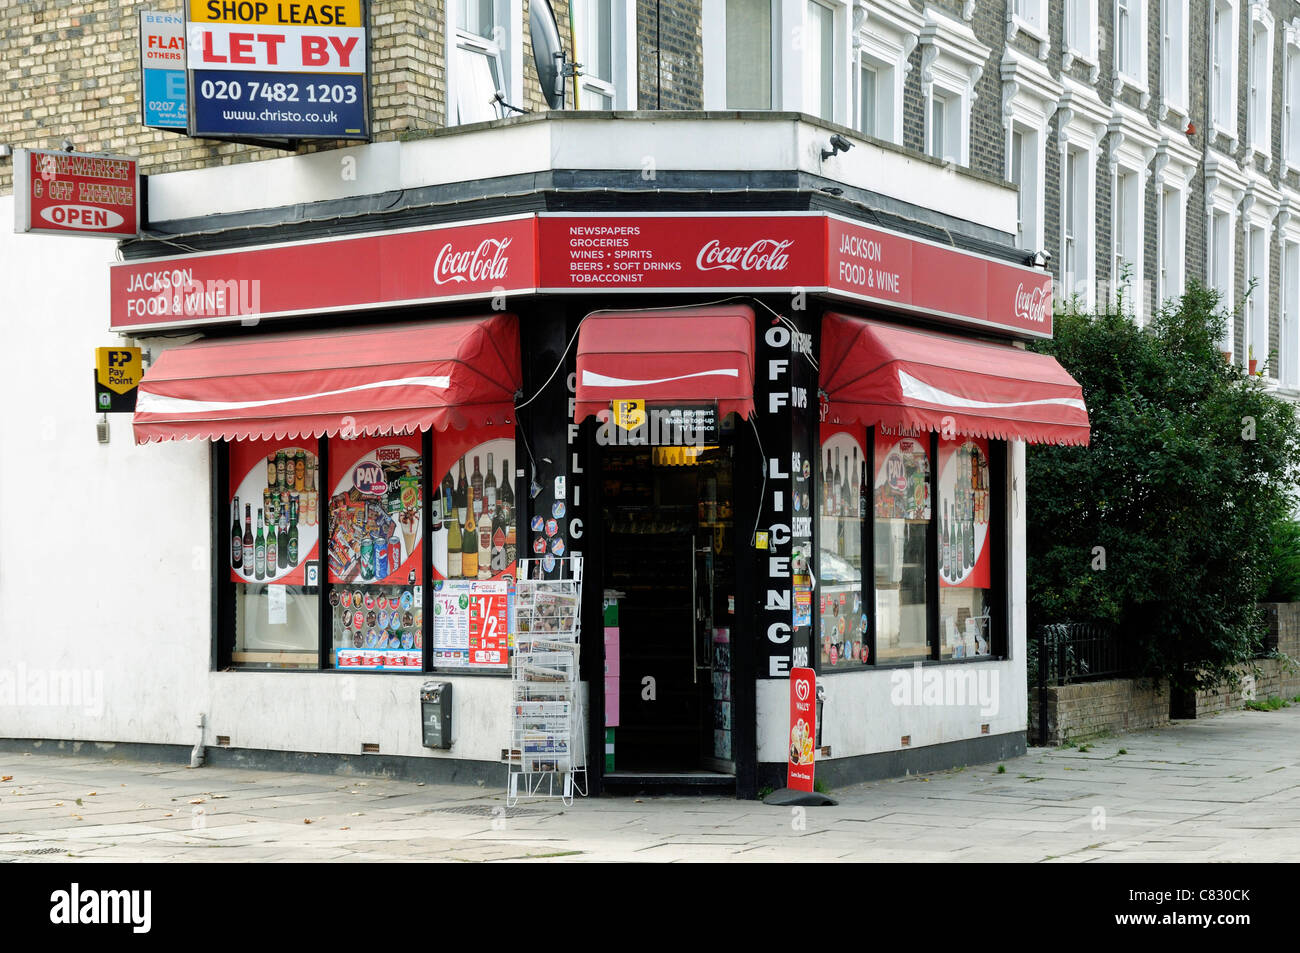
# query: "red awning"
(882, 374)
(377, 380)
(669, 356)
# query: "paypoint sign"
(118, 371)
(261, 69)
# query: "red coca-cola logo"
(766, 254)
(1031, 304)
(487, 262)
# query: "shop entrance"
(669, 559)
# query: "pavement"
(1225, 788)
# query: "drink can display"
(394, 554)
(379, 547)
(367, 558)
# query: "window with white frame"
(749, 74)
(1131, 42)
(1220, 267)
(1076, 232)
(886, 37)
(952, 62)
(1288, 341)
(1260, 77)
(869, 85)
(1223, 67)
(1126, 271)
(1080, 31)
(1025, 171)
(608, 75)
(479, 60)
(1256, 326)
(1174, 44)
(819, 60)
(1170, 279)
(946, 126)
(1291, 97)
(1029, 17)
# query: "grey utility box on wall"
(435, 714)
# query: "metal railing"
(1064, 653)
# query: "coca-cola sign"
(1032, 304)
(487, 261)
(765, 254)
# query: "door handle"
(695, 617)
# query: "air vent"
(223, 741)
(907, 741)
(984, 729)
(369, 747)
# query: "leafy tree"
(1192, 466)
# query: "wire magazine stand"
(548, 756)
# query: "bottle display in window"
(844, 622)
(479, 541)
(965, 579)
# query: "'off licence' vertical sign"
(162, 70)
(803, 729)
(262, 69)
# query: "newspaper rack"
(547, 742)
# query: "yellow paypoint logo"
(118, 368)
(629, 414)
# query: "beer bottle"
(282, 545)
(260, 558)
(272, 544)
(293, 537)
(469, 541)
(247, 548)
(236, 541)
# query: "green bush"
(1191, 467)
(1284, 563)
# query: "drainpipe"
(196, 755)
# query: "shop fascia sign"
(75, 193)
(572, 253)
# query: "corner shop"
(735, 209)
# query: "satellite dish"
(548, 51)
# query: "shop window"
(388, 531)
(902, 515)
(274, 552)
(965, 551)
(912, 581)
(843, 489)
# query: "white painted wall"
(861, 716)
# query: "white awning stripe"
(149, 403)
(915, 389)
(592, 379)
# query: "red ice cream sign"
(71, 193)
(803, 729)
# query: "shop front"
(775, 437)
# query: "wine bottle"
(469, 541)
(453, 555)
(236, 541)
(476, 484)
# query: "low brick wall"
(1267, 677)
(1086, 710)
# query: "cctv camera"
(840, 144)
